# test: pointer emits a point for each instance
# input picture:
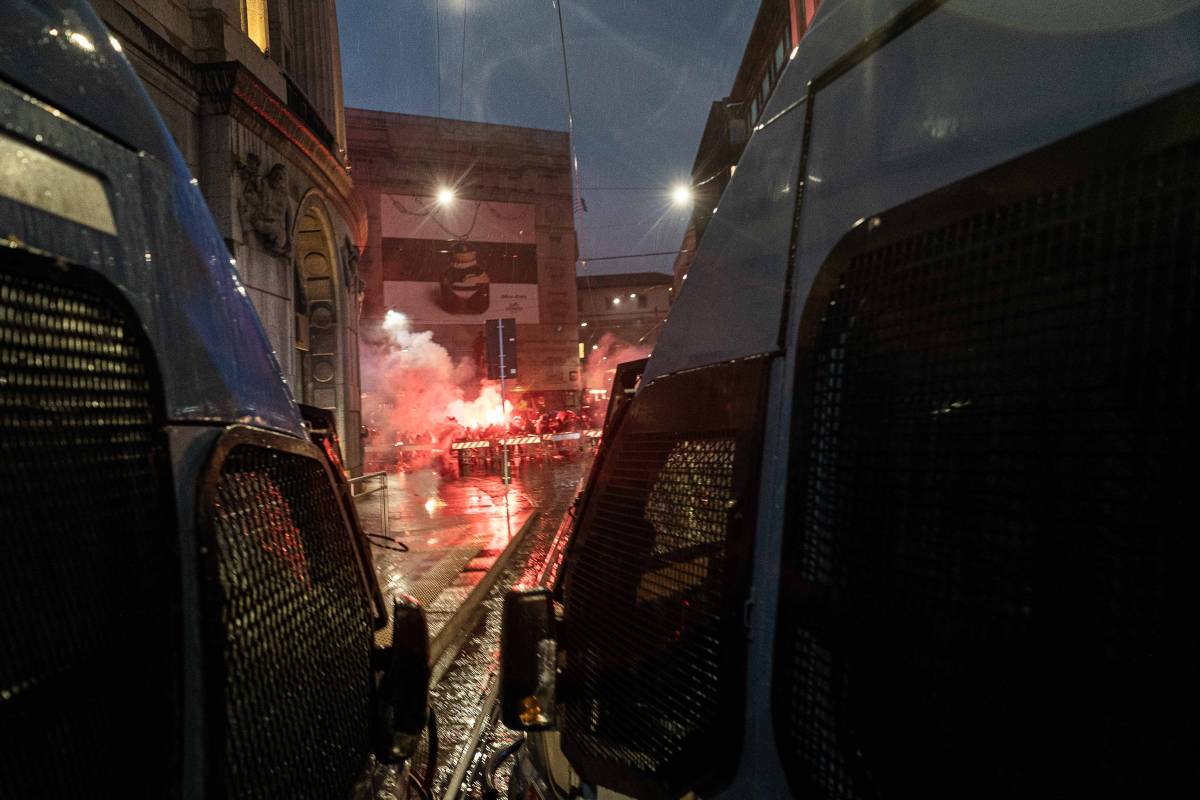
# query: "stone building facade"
(511, 216)
(631, 307)
(252, 92)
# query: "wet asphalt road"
(455, 527)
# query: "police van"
(187, 606)
(901, 506)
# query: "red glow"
(278, 534)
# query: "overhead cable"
(437, 16)
(635, 255)
(462, 67)
(562, 41)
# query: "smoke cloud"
(600, 366)
(416, 393)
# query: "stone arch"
(319, 310)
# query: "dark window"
(655, 588)
(285, 608)
(641, 298)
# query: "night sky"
(643, 74)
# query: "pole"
(505, 476)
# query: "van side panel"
(966, 88)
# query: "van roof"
(62, 54)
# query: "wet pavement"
(468, 728)
(454, 529)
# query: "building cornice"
(229, 88)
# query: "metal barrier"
(357, 491)
(482, 443)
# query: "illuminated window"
(254, 22)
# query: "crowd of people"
(529, 423)
(520, 424)
(409, 447)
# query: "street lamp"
(445, 196)
(681, 195)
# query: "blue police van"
(901, 505)
(187, 604)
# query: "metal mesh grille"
(985, 596)
(294, 630)
(88, 567)
(649, 596)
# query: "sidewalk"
(454, 529)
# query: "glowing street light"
(681, 195)
(445, 196)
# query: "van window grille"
(988, 583)
(654, 587)
(292, 625)
(89, 583)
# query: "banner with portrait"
(460, 262)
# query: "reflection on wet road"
(469, 513)
(453, 528)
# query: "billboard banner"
(404, 216)
(461, 262)
(425, 303)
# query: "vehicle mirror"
(528, 660)
(403, 697)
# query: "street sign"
(492, 331)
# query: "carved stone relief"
(354, 284)
(264, 206)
